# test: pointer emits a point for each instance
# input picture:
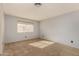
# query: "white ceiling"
(47, 10)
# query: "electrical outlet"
(72, 41)
(25, 36)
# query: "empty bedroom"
(39, 29)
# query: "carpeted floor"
(38, 47)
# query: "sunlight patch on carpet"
(41, 44)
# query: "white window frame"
(26, 27)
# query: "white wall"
(62, 29)
(11, 34)
(1, 29)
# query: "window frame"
(25, 23)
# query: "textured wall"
(1, 28)
(62, 29)
(11, 34)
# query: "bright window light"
(24, 27)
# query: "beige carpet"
(38, 47)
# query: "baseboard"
(21, 40)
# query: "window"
(25, 27)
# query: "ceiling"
(46, 10)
